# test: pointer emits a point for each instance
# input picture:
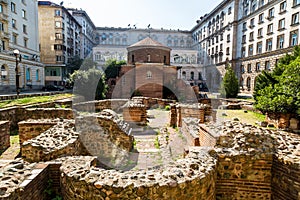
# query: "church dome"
(148, 42)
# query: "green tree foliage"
(74, 64)
(89, 81)
(230, 84)
(279, 90)
(112, 68)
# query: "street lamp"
(17, 53)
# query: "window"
(261, 18)
(14, 23)
(57, 12)
(192, 76)
(244, 26)
(282, 7)
(183, 75)
(200, 76)
(250, 50)
(14, 38)
(221, 47)
(249, 68)
(252, 23)
(242, 69)
(4, 73)
(58, 36)
(243, 52)
(1, 8)
(28, 75)
(227, 51)
(294, 38)
(228, 38)
(148, 58)
(248, 83)
(24, 28)
(132, 58)
(270, 29)
(149, 74)
(251, 36)
(259, 32)
(269, 44)
(259, 48)
(281, 24)
(57, 24)
(267, 65)
(257, 67)
(280, 41)
(13, 7)
(25, 42)
(243, 39)
(59, 58)
(229, 10)
(261, 3)
(253, 6)
(1, 26)
(271, 13)
(296, 2)
(37, 75)
(24, 14)
(217, 39)
(295, 19)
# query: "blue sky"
(168, 14)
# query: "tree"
(230, 84)
(112, 68)
(74, 64)
(89, 81)
(279, 91)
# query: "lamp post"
(17, 53)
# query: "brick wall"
(156, 56)
(206, 137)
(244, 177)
(33, 128)
(4, 135)
(285, 179)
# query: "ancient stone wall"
(136, 113)
(60, 140)
(4, 135)
(31, 128)
(11, 115)
(198, 111)
(190, 129)
(207, 136)
(97, 106)
(177, 181)
(28, 182)
(48, 113)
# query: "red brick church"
(148, 73)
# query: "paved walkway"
(147, 142)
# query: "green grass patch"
(248, 117)
(33, 100)
(156, 142)
(14, 139)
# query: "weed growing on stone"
(156, 142)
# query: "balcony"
(4, 34)
(4, 16)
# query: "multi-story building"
(215, 39)
(19, 31)
(112, 44)
(88, 31)
(267, 31)
(60, 40)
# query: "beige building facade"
(60, 40)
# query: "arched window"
(149, 74)
(192, 75)
(200, 76)
(241, 82)
(4, 73)
(248, 83)
(184, 75)
(37, 75)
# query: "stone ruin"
(230, 160)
